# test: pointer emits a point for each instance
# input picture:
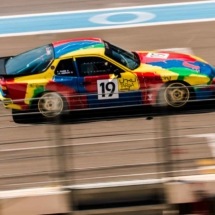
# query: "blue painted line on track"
(81, 20)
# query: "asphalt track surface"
(110, 145)
(11, 7)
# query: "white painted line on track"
(107, 9)
(106, 27)
(107, 18)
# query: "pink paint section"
(191, 66)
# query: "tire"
(20, 116)
(174, 95)
(51, 105)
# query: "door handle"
(85, 83)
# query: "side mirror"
(117, 72)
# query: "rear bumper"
(9, 104)
(5, 101)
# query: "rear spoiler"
(3, 61)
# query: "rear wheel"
(175, 95)
(20, 116)
(51, 105)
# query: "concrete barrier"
(34, 202)
(126, 197)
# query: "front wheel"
(174, 95)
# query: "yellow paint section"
(13, 106)
(1, 97)
(127, 82)
(36, 81)
(199, 59)
(165, 74)
(196, 79)
(85, 52)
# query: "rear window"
(31, 62)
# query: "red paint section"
(74, 100)
(172, 56)
(58, 43)
(17, 92)
(150, 84)
(91, 86)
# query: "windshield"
(123, 57)
(31, 62)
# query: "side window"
(65, 68)
(89, 66)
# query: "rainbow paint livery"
(93, 73)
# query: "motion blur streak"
(95, 150)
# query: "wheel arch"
(37, 96)
(191, 89)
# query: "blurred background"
(110, 146)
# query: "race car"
(88, 73)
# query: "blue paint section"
(81, 20)
(125, 99)
(207, 70)
(66, 48)
(2, 93)
(203, 94)
(81, 87)
(68, 81)
(198, 67)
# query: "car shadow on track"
(147, 112)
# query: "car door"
(102, 87)
(66, 83)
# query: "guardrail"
(160, 196)
(123, 145)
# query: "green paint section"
(101, 45)
(36, 92)
(183, 72)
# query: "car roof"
(68, 47)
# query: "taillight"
(4, 89)
(3, 86)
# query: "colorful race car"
(92, 73)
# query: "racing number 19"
(107, 89)
(112, 89)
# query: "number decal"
(107, 89)
(102, 85)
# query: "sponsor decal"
(191, 66)
(157, 55)
(126, 84)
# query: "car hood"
(172, 60)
